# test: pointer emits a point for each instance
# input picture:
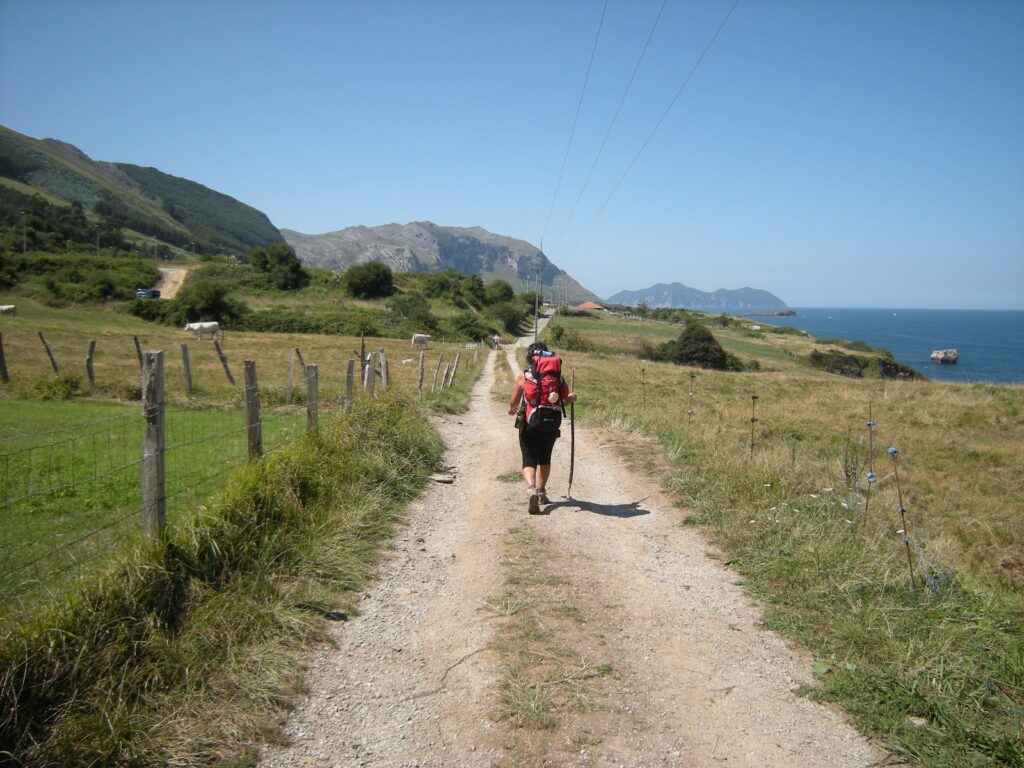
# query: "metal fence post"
(186, 368)
(312, 397)
(349, 376)
(253, 425)
(88, 363)
(154, 497)
(3, 362)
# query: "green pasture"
(68, 332)
(70, 497)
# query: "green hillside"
(142, 201)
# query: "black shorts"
(536, 448)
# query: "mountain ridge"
(679, 296)
(423, 246)
(148, 201)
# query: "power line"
(657, 125)
(611, 125)
(572, 133)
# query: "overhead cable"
(572, 132)
(657, 125)
(611, 125)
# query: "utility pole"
(536, 304)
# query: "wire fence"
(74, 497)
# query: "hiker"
(538, 399)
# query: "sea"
(990, 342)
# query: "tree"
(695, 346)
(203, 300)
(281, 265)
(498, 292)
(370, 280)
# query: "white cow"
(420, 339)
(200, 328)
(9, 309)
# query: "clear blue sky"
(843, 153)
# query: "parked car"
(147, 293)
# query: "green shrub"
(370, 280)
(695, 346)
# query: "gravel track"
(412, 680)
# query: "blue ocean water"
(990, 342)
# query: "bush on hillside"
(695, 346)
(58, 279)
(510, 315)
(468, 327)
(281, 266)
(414, 308)
(370, 280)
(567, 339)
(498, 292)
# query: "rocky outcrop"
(422, 246)
(945, 356)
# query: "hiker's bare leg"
(529, 475)
(543, 472)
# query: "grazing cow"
(420, 339)
(9, 309)
(200, 328)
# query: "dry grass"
(69, 331)
(793, 514)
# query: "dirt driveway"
(171, 280)
(672, 666)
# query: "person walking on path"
(538, 399)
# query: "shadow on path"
(631, 509)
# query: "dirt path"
(688, 678)
(171, 280)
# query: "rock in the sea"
(947, 356)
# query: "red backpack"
(542, 392)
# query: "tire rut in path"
(414, 678)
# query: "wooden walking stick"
(572, 433)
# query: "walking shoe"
(534, 502)
(542, 496)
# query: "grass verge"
(543, 678)
(188, 653)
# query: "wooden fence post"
(294, 353)
(253, 425)
(223, 361)
(383, 371)
(371, 376)
(3, 362)
(312, 397)
(88, 363)
(49, 353)
(349, 376)
(138, 352)
(186, 368)
(154, 497)
(444, 376)
(433, 384)
(455, 367)
(422, 362)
